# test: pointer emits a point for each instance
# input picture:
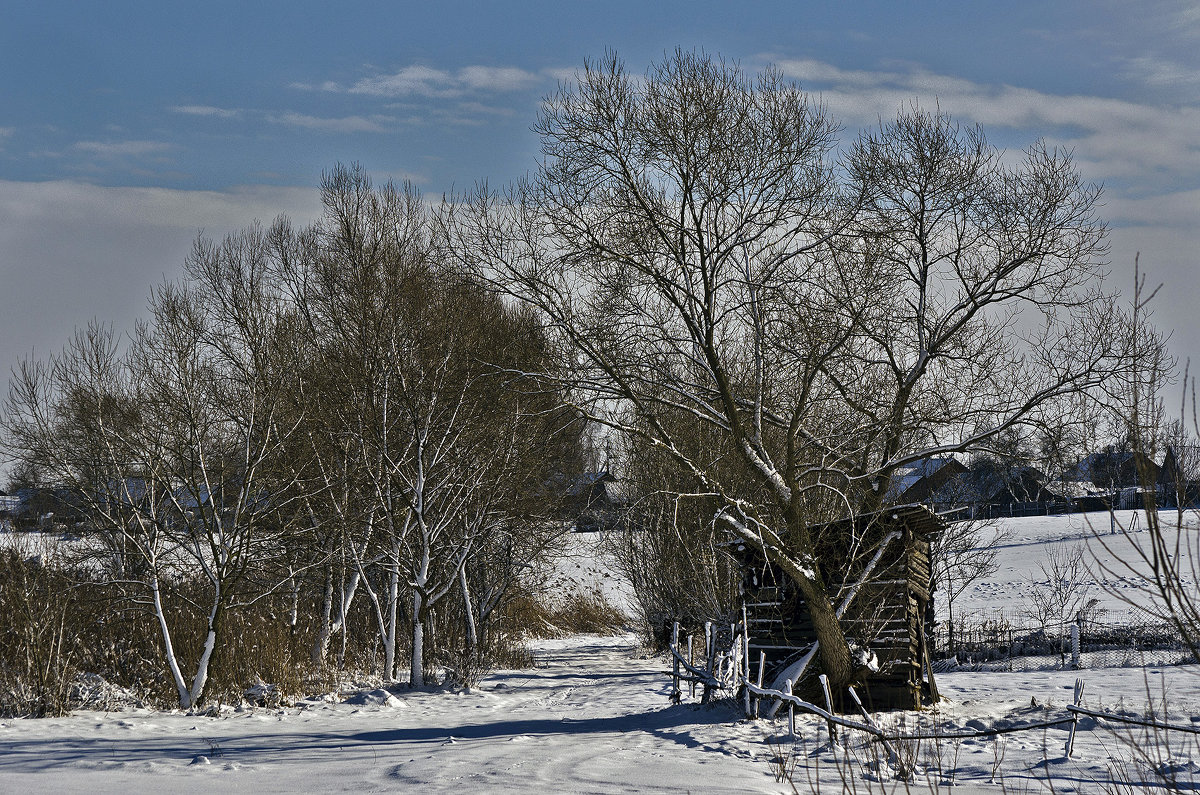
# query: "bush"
(38, 643)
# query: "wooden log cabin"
(890, 615)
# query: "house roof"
(989, 482)
(1107, 464)
(906, 477)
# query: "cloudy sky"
(125, 127)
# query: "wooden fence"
(729, 671)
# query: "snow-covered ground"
(1028, 543)
(594, 716)
(1107, 758)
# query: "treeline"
(330, 440)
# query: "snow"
(1030, 761)
(1029, 543)
(592, 717)
(595, 716)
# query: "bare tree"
(691, 242)
(169, 444)
(422, 378)
(1065, 595)
(1166, 556)
(960, 557)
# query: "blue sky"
(127, 126)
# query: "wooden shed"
(889, 616)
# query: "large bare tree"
(703, 259)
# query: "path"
(589, 718)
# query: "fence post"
(1075, 644)
(710, 647)
(676, 695)
(1074, 717)
(762, 663)
(746, 675)
(692, 662)
(746, 658)
(787, 688)
(829, 706)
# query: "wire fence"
(1000, 644)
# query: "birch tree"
(170, 443)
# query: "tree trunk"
(833, 649)
(393, 600)
(416, 676)
(294, 610)
(321, 645)
(200, 681)
(185, 701)
(468, 612)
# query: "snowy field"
(1029, 542)
(594, 716)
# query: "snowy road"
(590, 718)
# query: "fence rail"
(729, 670)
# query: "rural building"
(991, 488)
(920, 480)
(889, 615)
(596, 501)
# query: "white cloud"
(207, 110)
(1111, 138)
(71, 251)
(426, 81)
(347, 124)
(418, 80)
(496, 78)
(1146, 152)
(399, 177)
(328, 85)
(113, 149)
(562, 74)
(481, 109)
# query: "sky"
(128, 127)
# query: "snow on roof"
(1075, 489)
(907, 476)
(583, 482)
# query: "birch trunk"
(468, 612)
(416, 675)
(185, 700)
(200, 681)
